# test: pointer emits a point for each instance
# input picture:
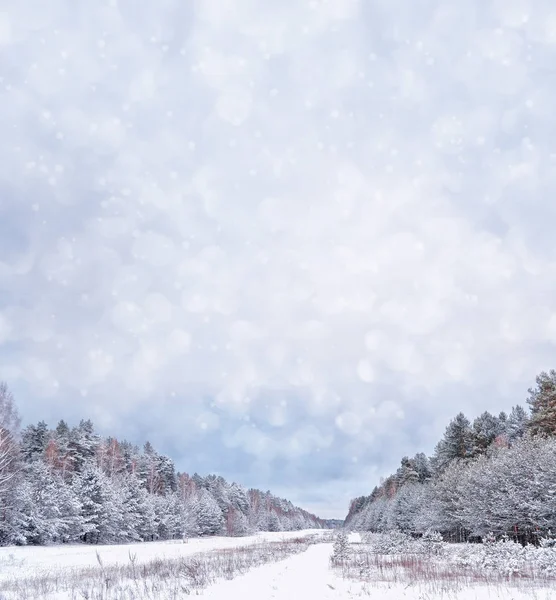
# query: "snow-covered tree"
(50, 510)
(34, 440)
(9, 448)
(422, 464)
(341, 548)
(457, 443)
(210, 520)
(83, 443)
(97, 507)
(238, 498)
(542, 400)
(486, 428)
(516, 424)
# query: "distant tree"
(9, 448)
(422, 465)
(186, 486)
(210, 520)
(405, 508)
(34, 440)
(149, 470)
(516, 424)
(238, 498)
(272, 521)
(130, 456)
(542, 400)
(406, 473)
(66, 454)
(457, 443)
(110, 458)
(83, 443)
(50, 510)
(168, 513)
(486, 428)
(341, 548)
(167, 473)
(91, 488)
(445, 510)
(51, 455)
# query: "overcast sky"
(285, 241)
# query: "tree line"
(496, 475)
(69, 484)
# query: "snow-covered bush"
(397, 542)
(393, 542)
(432, 543)
(548, 542)
(504, 556)
(341, 549)
(542, 559)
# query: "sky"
(285, 241)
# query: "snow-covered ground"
(308, 577)
(305, 576)
(19, 561)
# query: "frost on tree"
(494, 476)
(68, 484)
(9, 448)
(456, 443)
(542, 400)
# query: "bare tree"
(9, 425)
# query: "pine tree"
(422, 465)
(219, 490)
(9, 449)
(149, 524)
(542, 400)
(130, 456)
(110, 457)
(133, 508)
(486, 428)
(341, 548)
(209, 516)
(457, 443)
(90, 487)
(238, 498)
(168, 516)
(236, 523)
(167, 473)
(149, 470)
(83, 443)
(66, 454)
(34, 440)
(406, 473)
(189, 516)
(516, 424)
(49, 509)
(273, 521)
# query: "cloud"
(212, 208)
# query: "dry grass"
(158, 579)
(439, 576)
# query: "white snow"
(308, 576)
(19, 561)
(305, 576)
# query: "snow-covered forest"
(493, 475)
(69, 484)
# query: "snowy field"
(20, 561)
(308, 577)
(305, 575)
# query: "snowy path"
(305, 576)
